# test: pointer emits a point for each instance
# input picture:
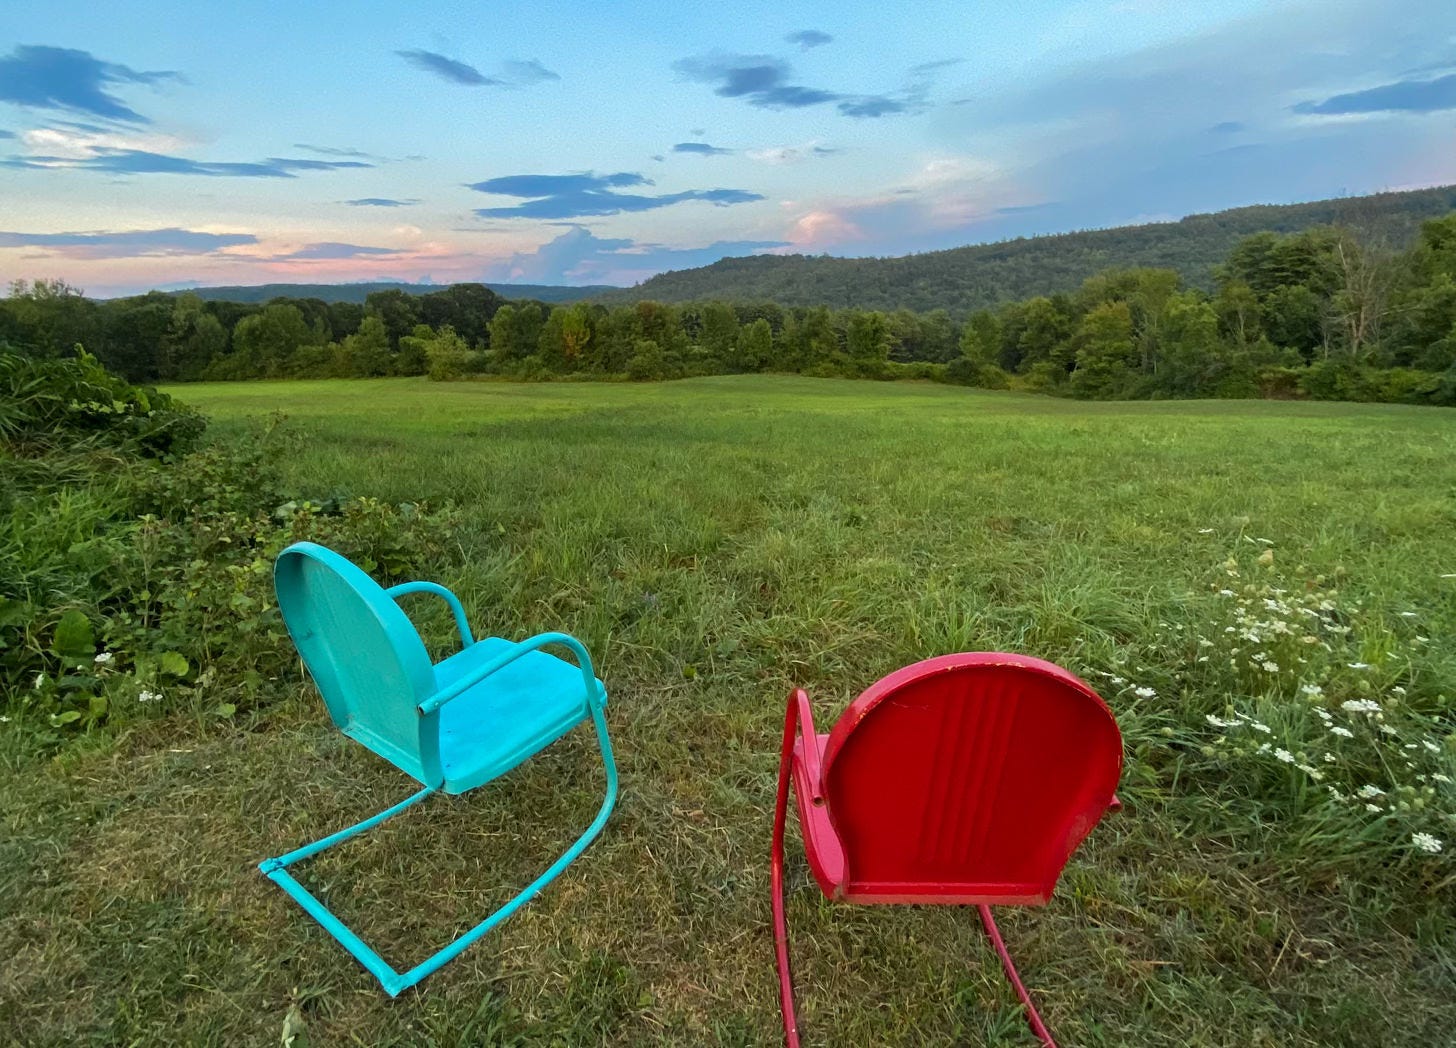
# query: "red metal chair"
(966, 779)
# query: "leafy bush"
(132, 584)
(60, 402)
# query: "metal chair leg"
(396, 982)
(1032, 1016)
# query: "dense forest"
(1320, 313)
(359, 293)
(964, 279)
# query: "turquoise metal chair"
(452, 726)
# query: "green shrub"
(133, 584)
(54, 403)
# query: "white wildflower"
(1407, 614)
(1225, 593)
(1441, 778)
(1261, 726)
(1358, 665)
(1269, 666)
(105, 658)
(1421, 640)
(1426, 843)
(1312, 689)
(1430, 746)
(149, 696)
(1373, 807)
(1367, 791)
(1360, 706)
(1329, 758)
(1144, 693)
(1344, 733)
(1205, 531)
(1219, 722)
(1386, 729)
(1117, 680)
(1284, 755)
(1397, 690)
(39, 681)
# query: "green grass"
(715, 542)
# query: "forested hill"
(968, 278)
(360, 292)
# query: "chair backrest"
(970, 776)
(363, 653)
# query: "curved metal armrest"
(458, 610)
(525, 647)
(801, 713)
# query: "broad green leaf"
(73, 638)
(173, 663)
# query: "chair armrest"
(525, 647)
(804, 728)
(466, 638)
(822, 845)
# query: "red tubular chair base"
(966, 779)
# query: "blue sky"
(157, 143)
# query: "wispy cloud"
(6, 134)
(528, 72)
(354, 154)
(1403, 96)
(515, 73)
(43, 77)
(333, 252)
(590, 195)
(765, 81)
(448, 69)
(808, 38)
(380, 202)
(134, 243)
(791, 154)
(578, 256)
(142, 162)
(700, 149)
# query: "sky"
(161, 143)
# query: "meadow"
(715, 542)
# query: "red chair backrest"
(969, 778)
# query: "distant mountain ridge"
(359, 292)
(964, 279)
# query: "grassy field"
(715, 542)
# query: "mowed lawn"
(716, 542)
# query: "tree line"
(1321, 313)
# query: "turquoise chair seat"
(509, 716)
(452, 726)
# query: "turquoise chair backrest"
(363, 653)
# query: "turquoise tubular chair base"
(452, 726)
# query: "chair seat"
(511, 715)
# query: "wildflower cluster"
(1314, 697)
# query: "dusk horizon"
(577, 147)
